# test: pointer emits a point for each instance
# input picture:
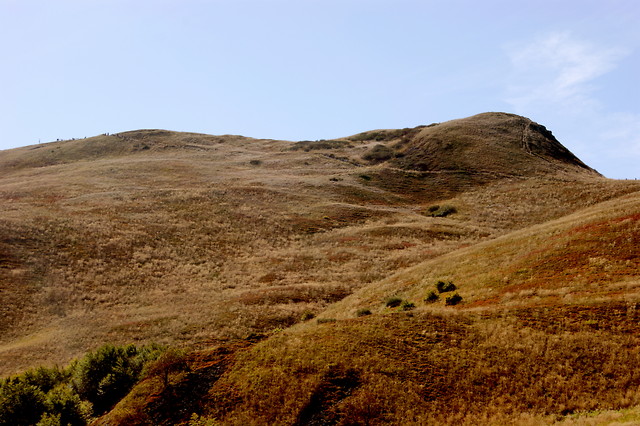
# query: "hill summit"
(492, 143)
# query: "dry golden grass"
(546, 334)
(423, 368)
(198, 241)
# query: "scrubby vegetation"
(393, 302)
(72, 396)
(445, 286)
(320, 144)
(385, 135)
(453, 300)
(407, 306)
(306, 316)
(378, 154)
(363, 312)
(432, 297)
(441, 211)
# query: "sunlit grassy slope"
(208, 242)
(548, 328)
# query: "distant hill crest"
(494, 142)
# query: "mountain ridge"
(435, 147)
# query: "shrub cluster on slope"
(87, 388)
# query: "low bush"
(87, 388)
(41, 396)
(444, 287)
(319, 144)
(453, 300)
(21, 403)
(45, 378)
(432, 297)
(441, 211)
(363, 312)
(105, 376)
(378, 154)
(68, 407)
(393, 302)
(306, 316)
(407, 306)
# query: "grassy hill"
(547, 330)
(214, 243)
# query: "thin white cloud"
(557, 69)
(555, 78)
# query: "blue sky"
(308, 69)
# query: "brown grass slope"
(489, 143)
(548, 330)
(196, 240)
(445, 159)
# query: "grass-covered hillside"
(546, 331)
(312, 282)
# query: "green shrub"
(90, 386)
(378, 154)
(432, 297)
(45, 378)
(453, 300)
(197, 420)
(393, 302)
(363, 312)
(105, 376)
(444, 287)
(326, 320)
(50, 419)
(365, 177)
(441, 211)
(67, 406)
(306, 316)
(407, 306)
(320, 144)
(21, 403)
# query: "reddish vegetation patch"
(597, 252)
(484, 302)
(632, 217)
(603, 226)
(399, 246)
(618, 317)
